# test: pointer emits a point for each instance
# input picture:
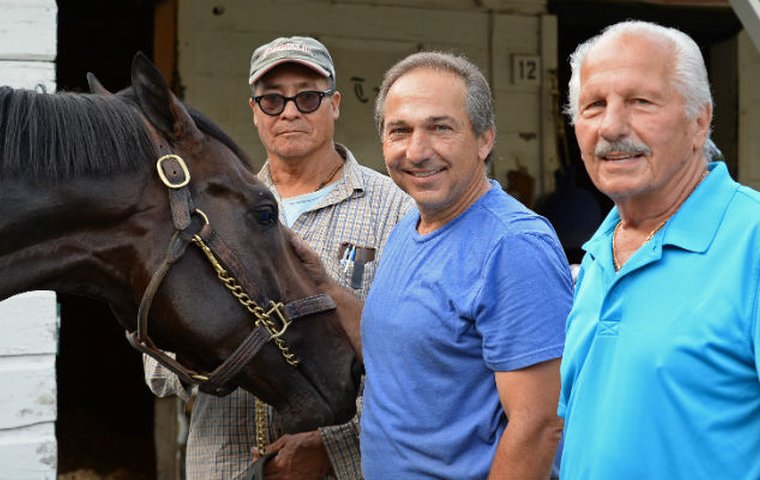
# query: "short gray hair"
(478, 100)
(690, 74)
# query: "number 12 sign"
(526, 69)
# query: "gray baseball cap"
(304, 50)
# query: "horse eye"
(265, 215)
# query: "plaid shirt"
(361, 212)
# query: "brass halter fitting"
(186, 173)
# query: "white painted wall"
(28, 43)
(28, 345)
(365, 37)
(28, 322)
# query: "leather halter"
(173, 172)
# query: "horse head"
(138, 200)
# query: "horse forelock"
(54, 137)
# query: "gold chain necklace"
(654, 231)
(651, 234)
(329, 177)
(323, 182)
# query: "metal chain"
(263, 317)
(261, 427)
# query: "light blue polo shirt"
(661, 370)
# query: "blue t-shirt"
(487, 292)
(661, 371)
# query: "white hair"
(689, 72)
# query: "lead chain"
(261, 427)
(263, 318)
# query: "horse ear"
(95, 86)
(162, 108)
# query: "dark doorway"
(101, 37)
(105, 412)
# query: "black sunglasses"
(306, 102)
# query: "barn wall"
(28, 43)
(749, 111)
(28, 322)
(504, 38)
(28, 344)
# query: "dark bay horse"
(137, 200)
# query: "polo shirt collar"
(598, 246)
(694, 225)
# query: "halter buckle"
(285, 322)
(183, 168)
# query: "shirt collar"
(351, 179)
(694, 225)
(354, 181)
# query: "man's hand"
(301, 456)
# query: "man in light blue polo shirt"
(661, 370)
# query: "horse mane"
(208, 127)
(54, 137)
(205, 125)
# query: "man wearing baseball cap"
(343, 210)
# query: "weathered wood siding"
(28, 344)
(28, 322)
(28, 43)
(749, 111)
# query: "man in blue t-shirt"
(464, 328)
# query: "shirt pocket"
(356, 267)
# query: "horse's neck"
(77, 237)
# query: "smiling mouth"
(621, 150)
(617, 157)
(426, 173)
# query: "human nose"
(418, 148)
(290, 110)
(614, 123)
